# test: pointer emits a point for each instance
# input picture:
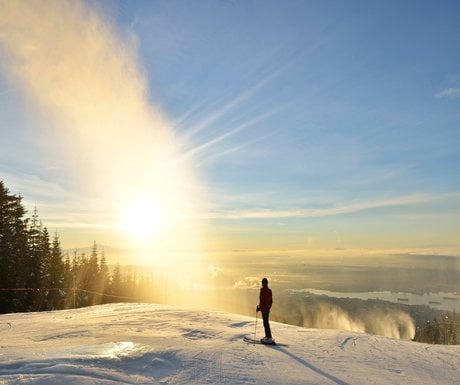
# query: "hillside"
(156, 344)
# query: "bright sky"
(287, 125)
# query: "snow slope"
(156, 344)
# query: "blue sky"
(334, 94)
(311, 123)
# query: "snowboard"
(259, 342)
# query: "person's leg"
(268, 332)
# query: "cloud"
(213, 271)
(345, 208)
(450, 93)
(213, 142)
(247, 283)
(216, 115)
(56, 205)
(34, 186)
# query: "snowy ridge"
(156, 344)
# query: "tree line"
(36, 276)
(445, 330)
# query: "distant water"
(441, 301)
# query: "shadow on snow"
(311, 367)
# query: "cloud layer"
(333, 210)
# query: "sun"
(142, 218)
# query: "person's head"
(264, 282)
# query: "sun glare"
(142, 219)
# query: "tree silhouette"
(56, 276)
(13, 249)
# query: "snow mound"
(157, 344)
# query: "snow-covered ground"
(156, 344)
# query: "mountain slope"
(156, 344)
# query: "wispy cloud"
(225, 151)
(35, 188)
(57, 206)
(450, 93)
(339, 209)
(205, 146)
(217, 114)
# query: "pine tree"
(83, 281)
(44, 271)
(13, 249)
(456, 326)
(45, 250)
(93, 260)
(67, 272)
(104, 278)
(33, 264)
(56, 271)
(93, 276)
(68, 282)
(435, 332)
(116, 283)
(72, 299)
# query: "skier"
(265, 304)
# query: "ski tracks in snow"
(347, 340)
(227, 361)
(225, 366)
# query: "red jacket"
(265, 299)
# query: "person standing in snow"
(265, 304)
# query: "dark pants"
(268, 332)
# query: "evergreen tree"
(34, 263)
(83, 283)
(45, 250)
(92, 272)
(68, 282)
(93, 258)
(74, 280)
(116, 283)
(104, 278)
(455, 328)
(56, 273)
(13, 249)
(44, 271)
